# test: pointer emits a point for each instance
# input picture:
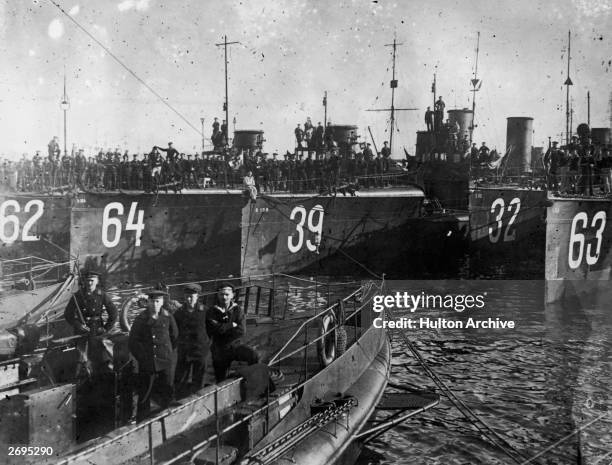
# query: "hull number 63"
(577, 240)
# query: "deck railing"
(358, 299)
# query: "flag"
(433, 87)
(495, 164)
(325, 100)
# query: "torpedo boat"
(318, 396)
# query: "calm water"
(533, 385)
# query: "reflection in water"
(534, 385)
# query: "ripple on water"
(534, 385)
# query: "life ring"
(126, 306)
(326, 345)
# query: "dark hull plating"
(507, 231)
(183, 237)
(447, 182)
(220, 233)
(34, 225)
(578, 250)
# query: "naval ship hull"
(508, 230)
(578, 250)
(137, 237)
(34, 225)
(34, 257)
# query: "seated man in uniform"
(193, 343)
(249, 185)
(84, 313)
(152, 340)
(226, 326)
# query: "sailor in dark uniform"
(171, 153)
(125, 173)
(299, 136)
(429, 117)
(135, 173)
(329, 136)
(152, 341)
(84, 313)
(483, 153)
(226, 327)
(87, 306)
(319, 134)
(193, 343)
(386, 155)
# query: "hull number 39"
(312, 221)
(577, 240)
(112, 226)
(498, 208)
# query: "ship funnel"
(519, 136)
(245, 139)
(601, 136)
(465, 118)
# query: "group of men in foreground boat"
(169, 347)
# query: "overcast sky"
(290, 52)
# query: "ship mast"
(393, 86)
(225, 43)
(567, 84)
(475, 88)
(589, 108)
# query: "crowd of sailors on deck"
(170, 342)
(310, 167)
(580, 167)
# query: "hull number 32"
(498, 208)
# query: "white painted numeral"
(577, 239)
(40, 207)
(510, 234)
(9, 223)
(600, 217)
(497, 208)
(317, 228)
(113, 223)
(494, 233)
(6, 220)
(296, 242)
(137, 226)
